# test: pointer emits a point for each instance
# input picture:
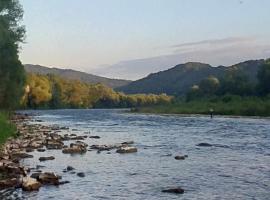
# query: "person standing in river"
(211, 112)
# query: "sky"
(129, 39)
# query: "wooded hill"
(75, 75)
(179, 79)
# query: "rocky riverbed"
(36, 137)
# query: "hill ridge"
(75, 75)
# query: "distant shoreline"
(201, 115)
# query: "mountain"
(177, 80)
(76, 75)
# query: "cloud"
(229, 40)
(226, 51)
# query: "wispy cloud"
(229, 40)
(226, 51)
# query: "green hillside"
(179, 79)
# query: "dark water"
(237, 167)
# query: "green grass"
(228, 105)
(6, 128)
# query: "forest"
(50, 91)
(233, 94)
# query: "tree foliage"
(49, 91)
(264, 79)
(12, 75)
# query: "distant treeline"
(234, 94)
(50, 91)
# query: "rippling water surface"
(237, 167)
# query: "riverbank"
(7, 129)
(32, 138)
(243, 107)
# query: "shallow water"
(236, 167)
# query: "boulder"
(41, 150)
(48, 178)
(179, 157)
(204, 144)
(36, 144)
(177, 190)
(20, 155)
(63, 182)
(54, 144)
(126, 150)
(35, 175)
(41, 159)
(81, 174)
(69, 168)
(75, 148)
(30, 184)
(94, 137)
(9, 182)
(127, 143)
(104, 147)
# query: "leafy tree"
(209, 85)
(236, 83)
(12, 75)
(264, 79)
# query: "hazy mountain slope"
(76, 75)
(179, 79)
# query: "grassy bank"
(238, 106)
(6, 128)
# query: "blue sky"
(131, 38)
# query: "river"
(237, 166)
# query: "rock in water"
(94, 137)
(46, 158)
(75, 148)
(179, 157)
(30, 184)
(69, 168)
(81, 174)
(174, 190)
(35, 175)
(48, 178)
(126, 150)
(204, 144)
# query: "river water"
(236, 167)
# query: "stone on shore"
(54, 144)
(30, 184)
(20, 155)
(9, 182)
(126, 150)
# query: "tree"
(236, 83)
(56, 90)
(209, 85)
(264, 79)
(12, 75)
